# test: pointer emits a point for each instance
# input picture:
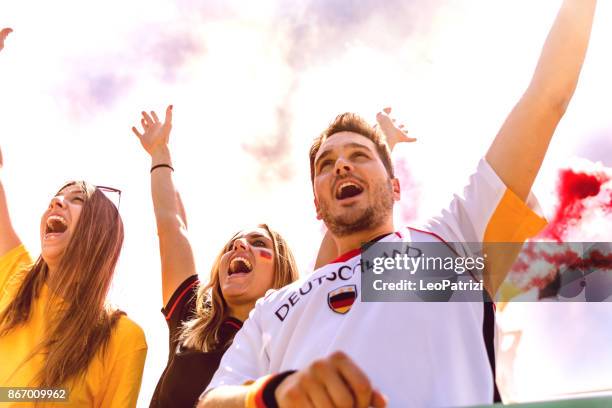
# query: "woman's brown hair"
(202, 332)
(80, 324)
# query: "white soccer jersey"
(418, 354)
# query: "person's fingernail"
(171, 106)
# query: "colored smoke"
(582, 214)
(573, 189)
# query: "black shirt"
(188, 371)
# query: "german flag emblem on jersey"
(340, 300)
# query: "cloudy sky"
(252, 83)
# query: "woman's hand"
(393, 133)
(155, 136)
(3, 34)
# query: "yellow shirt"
(111, 381)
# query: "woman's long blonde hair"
(80, 324)
(202, 332)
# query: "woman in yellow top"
(55, 330)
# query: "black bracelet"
(157, 166)
(271, 386)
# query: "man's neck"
(354, 241)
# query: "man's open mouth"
(239, 265)
(348, 189)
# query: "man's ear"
(395, 185)
(318, 208)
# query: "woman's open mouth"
(239, 265)
(56, 226)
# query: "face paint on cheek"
(265, 254)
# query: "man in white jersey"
(314, 343)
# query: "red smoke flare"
(556, 262)
(572, 189)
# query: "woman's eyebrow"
(257, 235)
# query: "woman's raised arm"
(8, 236)
(177, 261)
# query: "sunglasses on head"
(113, 194)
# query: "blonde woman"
(203, 319)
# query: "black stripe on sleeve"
(181, 295)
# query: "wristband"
(157, 166)
(261, 393)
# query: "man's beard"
(372, 217)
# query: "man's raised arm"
(519, 148)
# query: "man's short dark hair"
(351, 122)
